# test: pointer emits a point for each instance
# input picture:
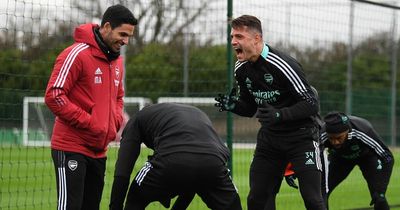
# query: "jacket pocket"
(95, 134)
(88, 107)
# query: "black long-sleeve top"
(165, 128)
(278, 80)
(362, 141)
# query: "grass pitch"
(27, 182)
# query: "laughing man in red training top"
(85, 93)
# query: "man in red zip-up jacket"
(85, 93)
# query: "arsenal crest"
(72, 164)
(268, 79)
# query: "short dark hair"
(117, 15)
(249, 21)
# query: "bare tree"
(159, 20)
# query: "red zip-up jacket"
(85, 92)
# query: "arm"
(230, 102)
(306, 106)
(301, 110)
(246, 105)
(243, 104)
(127, 155)
(65, 74)
(372, 139)
(307, 98)
(120, 105)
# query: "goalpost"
(38, 120)
(187, 100)
(35, 129)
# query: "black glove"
(290, 180)
(378, 199)
(226, 102)
(269, 115)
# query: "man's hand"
(269, 115)
(290, 180)
(226, 102)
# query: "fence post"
(229, 117)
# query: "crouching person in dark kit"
(189, 157)
(352, 141)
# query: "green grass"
(27, 182)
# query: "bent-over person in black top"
(352, 141)
(189, 157)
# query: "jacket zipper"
(109, 104)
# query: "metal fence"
(349, 51)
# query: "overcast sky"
(309, 22)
